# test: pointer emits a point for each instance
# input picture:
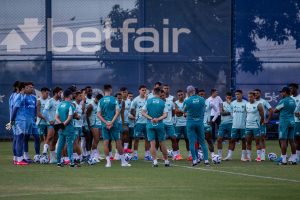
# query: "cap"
(190, 89)
(285, 89)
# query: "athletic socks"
(212, 154)
(220, 152)
(155, 162)
(258, 153)
(125, 145)
(249, 154)
(110, 154)
(244, 153)
(147, 153)
(26, 156)
(283, 158)
(135, 153)
(45, 151)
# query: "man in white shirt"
(217, 102)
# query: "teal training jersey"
(286, 106)
(108, 106)
(228, 118)
(155, 107)
(239, 114)
(194, 106)
(65, 109)
(253, 117)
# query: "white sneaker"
(108, 164)
(97, 159)
(117, 156)
(227, 158)
(125, 164)
(245, 159)
(53, 160)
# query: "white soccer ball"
(128, 156)
(170, 153)
(200, 155)
(36, 159)
(44, 159)
(272, 156)
(92, 161)
(216, 159)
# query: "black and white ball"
(272, 156)
(216, 159)
(128, 156)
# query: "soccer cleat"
(167, 164)
(195, 163)
(134, 158)
(154, 165)
(148, 158)
(67, 162)
(258, 159)
(206, 164)
(60, 165)
(28, 160)
(178, 157)
(74, 165)
(245, 159)
(227, 158)
(282, 163)
(125, 164)
(117, 156)
(21, 163)
(97, 160)
(190, 158)
(108, 165)
(53, 160)
(128, 151)
(111, 158)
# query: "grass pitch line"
(239, 174)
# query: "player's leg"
(25, 147)
(20, 148)
(231, 146)
(297, 139)
(208, 138)
(283, 129)
(125, 138)
(263, 130)
(170, 131)
(248, 138)
(61, 144)
(220, 137)
(290, 137)
(95, 142)
(258, 135)
(49, 138)
(147, 156)
(89, 141)
(131, 137)
(14, 148)
(192, 140)
(137, 135)
(244, 143)
(201, 139)
(70, 141)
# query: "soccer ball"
(92, 161)
(36, 159)
(216, 159)
(128, 156)
(200, 155)
(44, 159)
(170, 153)
(272, 156)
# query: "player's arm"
(145, 114)
(38, 107)
(178, 113)
(173, 109)
(132, 108)
(117, 113)
(223, 112)
(261, 113)
(270, 113)
(57, 118)
(88, 114)
(217, 112)
(70, 117)
(122, 112)
(279, 107)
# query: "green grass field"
(229, 180)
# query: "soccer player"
(125, 119)
(78, 123)
(155, 111)
(41, 119)
(238, 125)
(18, 123)
(64, 115)
(226, 122)
(131, 122)
(166, 89)
(108, 112)
(140, 123)
(194, 106)
(50, 110)
(91, 118)
(294, 94)
(208, 121)
(215, 113)
(156, 85)
(169, 126)
(263, 128)
(254, 119)
(180, 123)
(286, 108)
(12, 100)
(31, 113)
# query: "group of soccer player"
(72, 121)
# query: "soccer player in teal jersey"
(180, 124)
(49, 111)
(194, 106)
(255, 118)
(64, 115)
(140, 123)
(155, 111)
(93, 126)
(169, 126)
(286, 108)
(41, 121)
(263, 128)
(238, 125)
(108, 112)
(226, 122)
(294, 94)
